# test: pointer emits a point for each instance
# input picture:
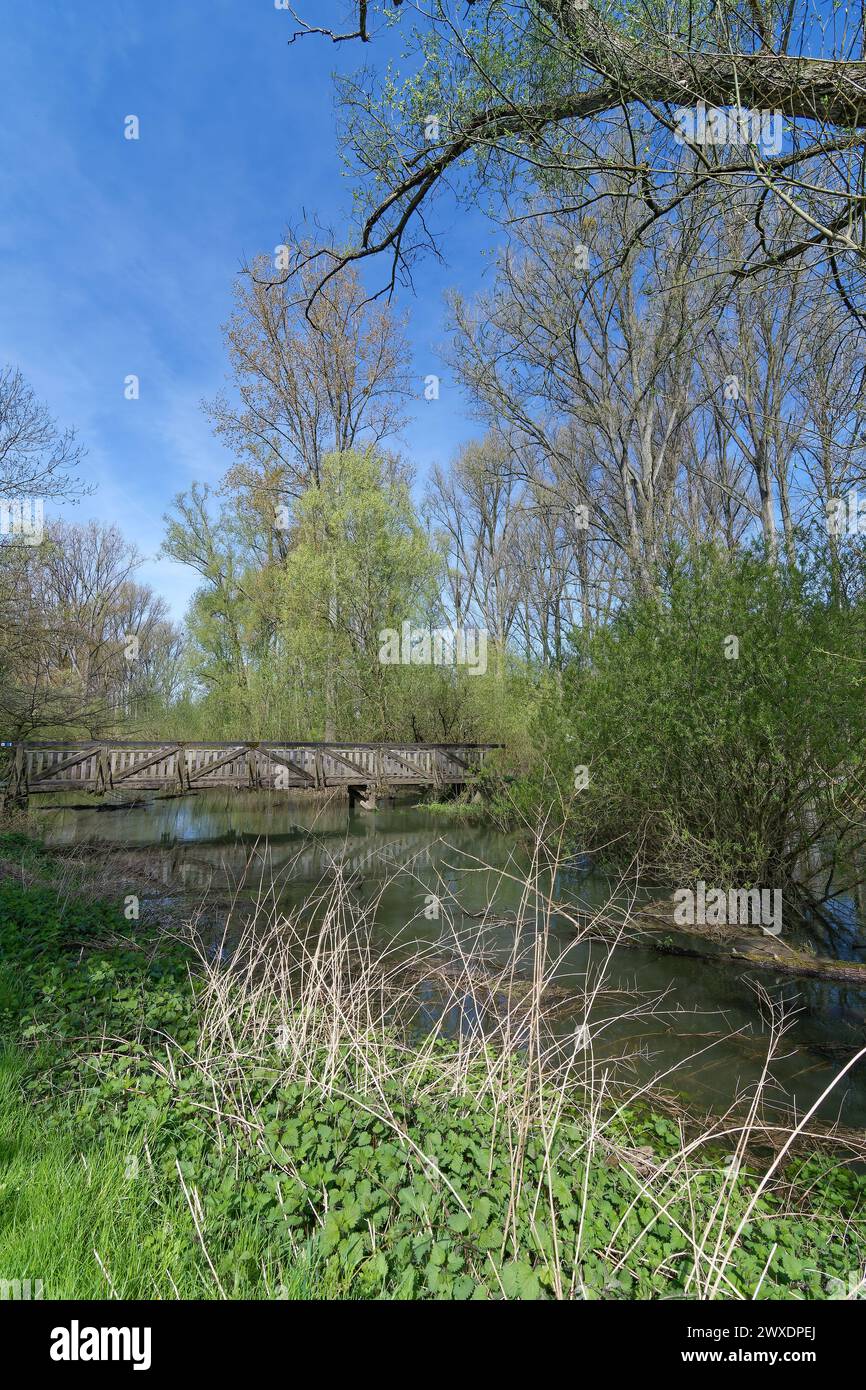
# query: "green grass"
(464, 812)
(91, 1202)
(63, 1207)
(154, 1142)
(92, 1221)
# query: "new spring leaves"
(715, 907)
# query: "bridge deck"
(103, 766)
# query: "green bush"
(722, 723)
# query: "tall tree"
(477, 503)
(361, 564)
(305, 383)
(506, 88)
(594, 374)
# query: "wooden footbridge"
(365, 770)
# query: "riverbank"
(737, 945)
(260, 1133)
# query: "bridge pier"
(365, 797)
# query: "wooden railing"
(103, 766)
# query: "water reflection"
(418, 876)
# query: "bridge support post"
(104, 780)
(16, 791)
(436, 768)
(365, 797)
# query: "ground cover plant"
(172, 1127)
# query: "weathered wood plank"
(165, 752)
(341, 758)
(399, 758)
(63, 765)
(276, 757)
(205, 770)
(447, 752)
(102, 765)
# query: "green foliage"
(90, 1217)
(361, 563)
(404, 1192)
(709, 759)
(19, 847)
(461, 809)
(290, 646)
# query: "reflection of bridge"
(365, 770)
(281, 861)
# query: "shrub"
(722, 724)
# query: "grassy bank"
(459, 811)
(282, 1129)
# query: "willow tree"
(361, 563)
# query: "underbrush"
(298, 1125)
(714, 730)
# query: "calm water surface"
(218, 841)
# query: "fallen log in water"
(654, 925)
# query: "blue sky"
(118, 256)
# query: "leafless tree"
(36, 457)
(304, 384)
(477, 504)
(595, 375)
(828, 391)
(86, 644)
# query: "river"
(706, 1038)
